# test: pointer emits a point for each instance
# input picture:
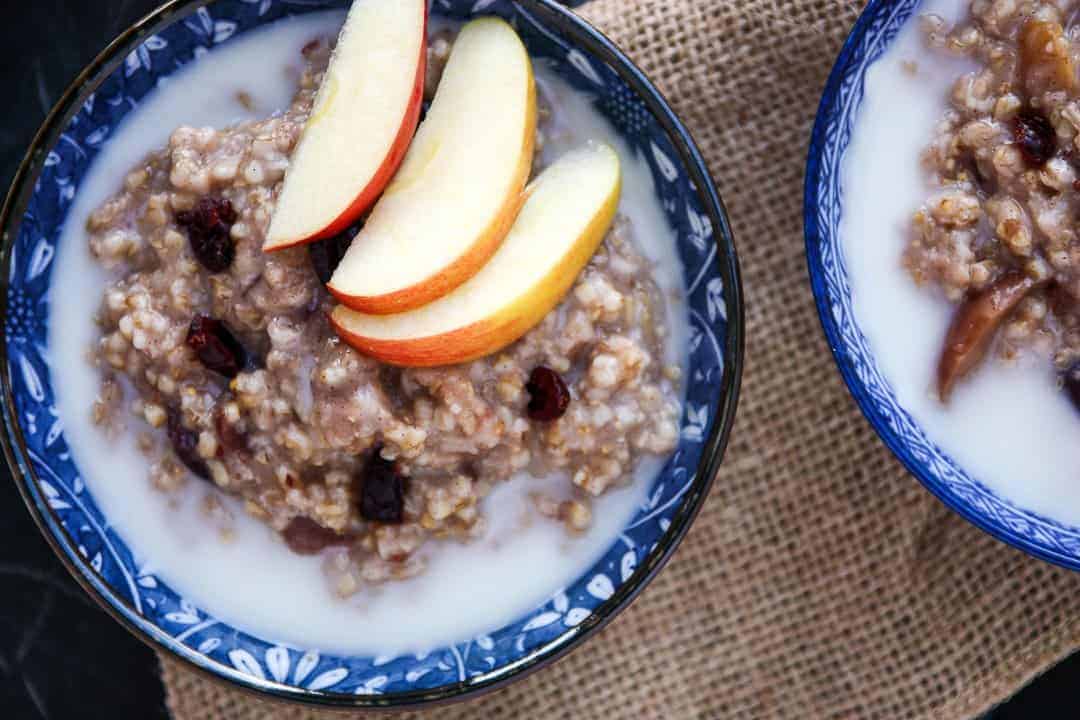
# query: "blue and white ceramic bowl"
(876, 28)
(49, 480)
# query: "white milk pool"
(1007, 426)
(254, 582)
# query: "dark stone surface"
(61, 656)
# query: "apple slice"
(363, 118)
(460, 187)
(569, 209)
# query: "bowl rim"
(579, 33)
(814, 239)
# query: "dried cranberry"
(208, 225)
(1034, 136)
(549, 396)
(382, 490)
(304, 536)
(216, 347)
(185, 444)
(326, 254)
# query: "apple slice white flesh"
(568, 211)
(459, 189)
(364, 116)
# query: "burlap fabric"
(820, 581)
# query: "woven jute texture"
(820, 580)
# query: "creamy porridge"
(217, 362)
(911, 270)
(998, 235)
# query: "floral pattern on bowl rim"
(50, 482)
(1040, 536)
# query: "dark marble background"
(60, 656)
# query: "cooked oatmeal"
(1001, 230)
(236, 379)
